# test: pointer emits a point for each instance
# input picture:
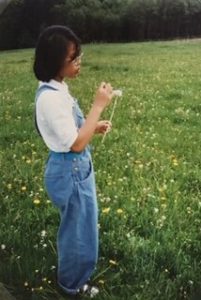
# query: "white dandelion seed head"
(43, 233)
(117, 93)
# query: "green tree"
(10, 25)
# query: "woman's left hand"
(103, 126)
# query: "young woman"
(69, 175)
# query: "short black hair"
(51, 50)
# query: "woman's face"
(71, 67)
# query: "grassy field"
(148, 174)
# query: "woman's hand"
(103, 127)
(103, 95)
(92, 124)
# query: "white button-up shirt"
(55, 117)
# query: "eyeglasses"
(76, 60)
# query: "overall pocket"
(58, 182)
(82, 169)
(54, 168)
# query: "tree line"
(100, 20)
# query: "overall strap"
(78, 114)
(41, 89)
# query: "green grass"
(148, 174)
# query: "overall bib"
(70, 184)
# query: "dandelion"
(49, 281)
(9, 186)
(113, 262)
(119, 211)
(106, 210)
(26, 283)
(175, 162)
(156, 210)
(189, 210)
(163, 218)
(36, 201)
(120, 179)
(48, 201)
(3, 247)
(117, 93)
(28, 161)
(162, 188)
(43, 233)
(23, 188)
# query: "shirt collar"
(60, 86)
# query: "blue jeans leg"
(77, 240)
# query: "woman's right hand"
(103, 98)
(104, 95)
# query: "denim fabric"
(70, 184)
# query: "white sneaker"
(88, 290)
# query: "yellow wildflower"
(101, 281)
(120, 211)
(113, 262)
(36, 201)
(175, 162)
(106, 210)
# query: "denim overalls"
(70, 184)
